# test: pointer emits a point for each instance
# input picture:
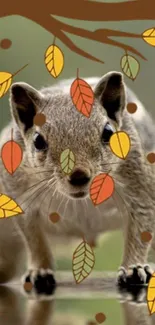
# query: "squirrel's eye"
(39, 142)
(107, 133)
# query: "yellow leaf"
(54, 60)
(120, 144)
(149, 36)
(83, 262)
(5, 82)
(67, 161)
(130, 66)
(151, 295)
(8, 207)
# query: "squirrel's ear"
(24, 101)
(110, 91)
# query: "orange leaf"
(11, 154)
(83, 261)
(101, 189)
(82, 96)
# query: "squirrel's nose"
(79, 178)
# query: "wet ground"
(96, 298)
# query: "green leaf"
(130, 66)
(67, 161)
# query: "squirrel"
(40, 186)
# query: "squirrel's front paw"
(40, 282)
(135, 275)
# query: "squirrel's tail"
(143, 120)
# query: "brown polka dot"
(54, 217)
(91, 323)
(39, 119)
(146, 236)
(131, 107)
(5, 43)
(28, 286)
(100, 318)
(151, 157)
(92, 244)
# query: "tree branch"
(67, 41)
(52, 25)
(102, 36)
(101, 11)
(83, 10)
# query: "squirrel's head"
(66, 128)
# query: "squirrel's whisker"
(48, 191)
(45, 188)
(63, 197)
(31, 187)
(42, 188)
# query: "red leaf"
(82, 96)
(11, 155)
(101, 189)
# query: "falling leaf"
(151, 157)
(100, 318)
(67, 161)
(83, 262)
(130, 66)
(82, 96)
(149, 36)
(11, 154)
(8, 207)
(6, 80)
(54, 60)
(131, 108)
(151, 295)
(101, 189)
(120, 144)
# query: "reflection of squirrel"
(43, 312)
(133, 204)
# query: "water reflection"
(76, 305)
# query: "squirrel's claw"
(135, 275)
(39, 282)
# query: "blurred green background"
(29, 43)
